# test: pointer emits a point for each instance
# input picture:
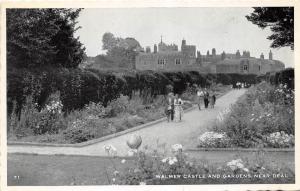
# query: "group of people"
(206, 97)
(239, 85)
(174, 108)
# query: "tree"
(43, 37)
(69, 50)
(121, 51)
(281, 22)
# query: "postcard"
(139, 95)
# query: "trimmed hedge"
(285, 76)
(78, 87)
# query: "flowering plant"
(263, 110)
(280, 139)
(213, 139)
(236, 165)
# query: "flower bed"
(213, 139)
(51, 125)
(263, 117)
(152, 167)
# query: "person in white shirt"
(199, 97)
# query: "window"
(177, 61)
(245, 67)
(161, 61)
(258, 68)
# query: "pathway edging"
(189, 150)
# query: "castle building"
(167, 58)
(248, 66)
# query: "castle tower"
(223, 55)
(198, 54)
(148, 49)
(199, 58)
(270, 55)
(155, 48)
(238, 54)
(248, 54)
(244, 53)
(183, 42)
(213, 52)
(262, 56)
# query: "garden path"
(194, 123)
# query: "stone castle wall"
(165, 61)
(169, 58)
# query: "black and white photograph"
(149, 95)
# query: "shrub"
(213, 139)
(119, 105)
(265, 109)
(25, 123)
(78, 87)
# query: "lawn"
(46, 170)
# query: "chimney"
(213, 52)
(148, 49)
(270, 55)
(183, 42)
(155, 49)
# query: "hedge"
(285, 76)
(78, 87)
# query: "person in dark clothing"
(213, 100)
(206, 96)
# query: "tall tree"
(281, 22)
(121, 51)
(40, 37)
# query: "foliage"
(213, 139)
(154, 167)
(79, 87)
(285, 76)
(41, 37)
(280, 139)
(31, 121)
(119, 50)
(94, 120)
(281, 22)
(265, 109)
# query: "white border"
(139, 4)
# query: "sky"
(225, 29)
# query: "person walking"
(213, 100)
(199, 98)
(178, 110)
(206, 96)
(170, 107)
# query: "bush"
(119, 105)
(263, 110)
(78, 87)
(25, 123)
(78, 132)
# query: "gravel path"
(194, 123)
